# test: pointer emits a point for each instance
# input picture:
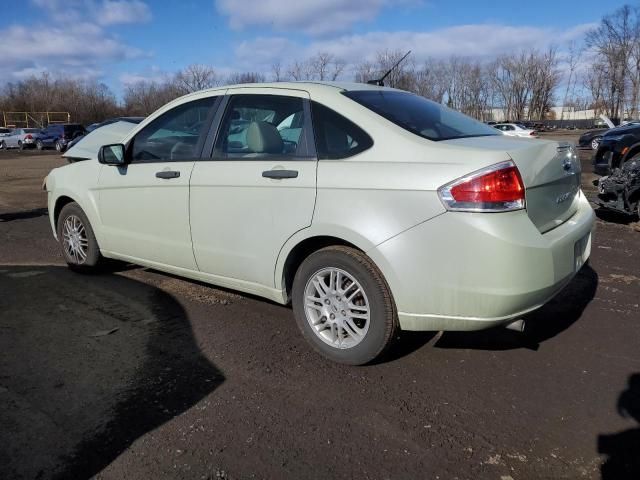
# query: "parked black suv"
(59, 135)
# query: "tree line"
(603, 74)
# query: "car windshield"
(421, 116)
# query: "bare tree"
(246, 77)
(196, 77)
(276, 72)
(299, 71)
(613, 41)
(324, 66)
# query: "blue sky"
(121, 41)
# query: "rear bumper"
(465, 271)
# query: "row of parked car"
(59, 136)
(56, 136)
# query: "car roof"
(311, 87)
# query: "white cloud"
(463, 41)
(80, 49)
(114, 12)
(476, 41)
(315, 17)
(102, 12)
(72, 41)
(152, 74)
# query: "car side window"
(336, 136)
(175, 135)
(256, 127)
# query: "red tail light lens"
(28, 136)
(498, 188)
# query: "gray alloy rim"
(595, 144)
(74, 239)
(58, 146)
(337, 308)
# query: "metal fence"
(33, 119)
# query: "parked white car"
(4, 132)
(515, 130)
(20, 138)
(368, 208)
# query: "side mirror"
(112, 154)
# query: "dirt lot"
(137, 374)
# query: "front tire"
(595, 143)
(3, 146)
(58, 146)
(343, 305)
(39, 145)
(77, 240)
(20, 146)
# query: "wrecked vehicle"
(617, 147)
(620, 191)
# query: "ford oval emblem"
(567, 165)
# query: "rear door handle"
(280, 174)
(167, 174)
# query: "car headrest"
(263, 137)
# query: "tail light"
(533, 133)
(498, 188)
(28, 136)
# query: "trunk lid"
(550, 171)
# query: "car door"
(11, 140)
(258, 188)
(144, 205)
(47, 136)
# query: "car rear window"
(73, 128)
(420, 116)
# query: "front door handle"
(167, 174)
(279, 174)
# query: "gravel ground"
(137, 374)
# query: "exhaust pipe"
(517, 326)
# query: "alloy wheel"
(75, 241)
(337, 308)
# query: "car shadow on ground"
(611, 216)
(26, 214)
(545, 323)
(88, 368)
(623, 449)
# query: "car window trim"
(199, 146)
(215, 132)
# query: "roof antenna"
(380, 82)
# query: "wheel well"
(302, 251)
(60, 203)
(630, 154)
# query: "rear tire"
(3, 146)
(20, 146)
(343, 305)
(77, 240)
(58, 146)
